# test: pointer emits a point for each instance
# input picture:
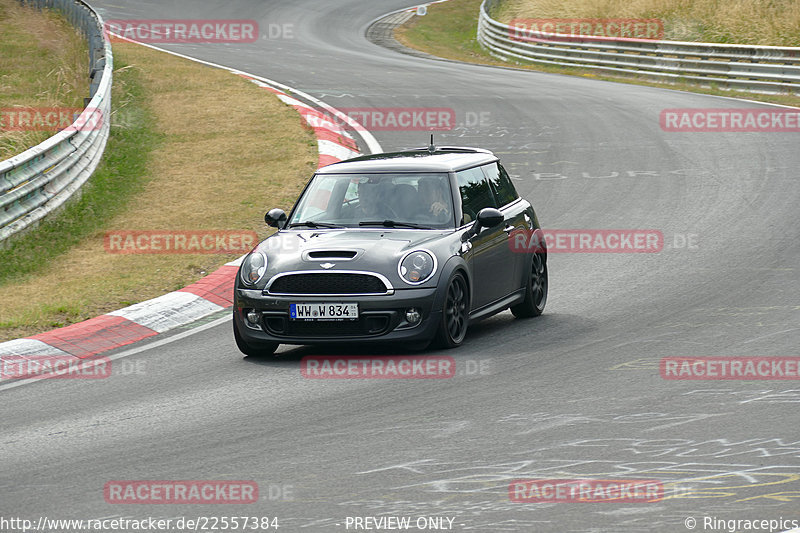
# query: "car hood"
(374, 250)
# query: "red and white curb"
(212, 293)
(209, 295)
(334, 143)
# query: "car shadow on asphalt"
(492, 336)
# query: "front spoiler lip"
(417, 297)
(424, 332)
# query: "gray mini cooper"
(397, 247)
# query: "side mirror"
(275, 218)
(488, 217)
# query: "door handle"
(509, 229)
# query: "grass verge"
(192, 148)
(758, 22)
(450, 29)
(43, 63)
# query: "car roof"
(442, 159)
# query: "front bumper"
(381, 318)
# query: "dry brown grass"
(761, 22)
(450, 29)
(230, 150)
(44, 63)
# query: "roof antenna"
(432, 147)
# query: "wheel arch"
(454, 264)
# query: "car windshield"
(402, 200)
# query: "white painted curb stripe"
(237, 262)
(336, 150)
(12, 383)
(168, 311)
(316, 121)
(29, 347)
(286, 99)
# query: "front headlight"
(416, 267)
(253, 268)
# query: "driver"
(372, 205)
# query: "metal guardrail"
(763, 69)
(39, 180)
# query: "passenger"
(433, 192)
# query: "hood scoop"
(330, 255)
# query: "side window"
(475, 193)
(501, 183)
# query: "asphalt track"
(575, 393)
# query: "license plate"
(323, 311)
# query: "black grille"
(333, 283)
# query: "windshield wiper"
(312, 224)
(392, 224)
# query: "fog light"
(253, 317)
(413, 315)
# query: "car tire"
(535, 289)
(258, 350)
(455, 313)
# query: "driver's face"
(368, 197)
